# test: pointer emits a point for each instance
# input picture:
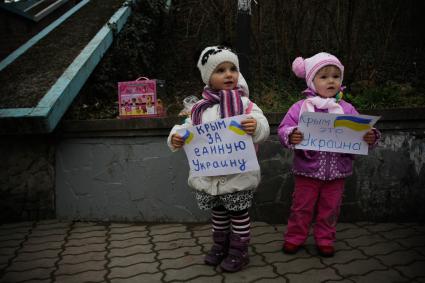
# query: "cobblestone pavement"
(53, 251)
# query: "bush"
(380, 44)
(389, 95)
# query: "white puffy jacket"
(218, 185)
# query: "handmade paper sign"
(335, 132)
(221, 147)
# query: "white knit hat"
(243, 84)
(307, 68)
(211, 57)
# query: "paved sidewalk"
(52, 251)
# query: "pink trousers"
(314, 197)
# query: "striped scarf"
(230, 103)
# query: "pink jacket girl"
(319, 175)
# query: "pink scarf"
(320, 103)
(230, 103)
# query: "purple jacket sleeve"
(377, 137)
(289, 124)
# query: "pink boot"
(219, 249)
(237, 256)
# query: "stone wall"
(122, 170)
(27, 171)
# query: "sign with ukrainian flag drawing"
(335, 132)
(220, 147)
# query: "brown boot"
(219, 249)
(237, 256)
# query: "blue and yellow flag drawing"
(187, 137)
(352, 122)
(236, 128)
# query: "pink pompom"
(298, 67)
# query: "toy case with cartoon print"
(139, 99)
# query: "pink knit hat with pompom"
(307, 68)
